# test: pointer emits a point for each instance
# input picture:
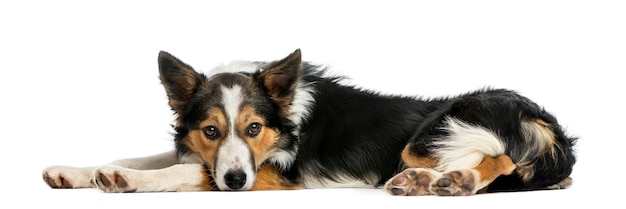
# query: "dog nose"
(235, 179)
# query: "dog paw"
(412, 182)
(65, 177)
(113, 179)
(456, 183)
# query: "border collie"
(287, 124)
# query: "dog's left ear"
(280, 78)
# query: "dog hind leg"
(428, 181)
(470, 181)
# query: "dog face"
(232, 121)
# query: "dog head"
(233, 121)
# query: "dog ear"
(179, 79)
(279, 80)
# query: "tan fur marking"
(526, 171)
(413, 161)
(282, 100)
(207, 183)
(539, 133)
(541, 122)
(263, 142)
(197, 141)
(543, 131)
(490, 168)
(269, 178)
(546, 132)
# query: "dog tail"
(465, 145)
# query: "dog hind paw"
(456, 183)
(412, 182)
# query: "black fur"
(359, 132)
(355, 132)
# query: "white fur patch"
(300, 110)
(466, 146)
(176, 178)
(343, 182)
(157, 161)
(234, 153)
(282, 158)
(235, 67)
(231, 99)
(302, 102)
(539, 138)
(339, 180)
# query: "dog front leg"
(176, 178)
(68, 177)
(180, 178)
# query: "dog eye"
(253, 129)
(211, 132)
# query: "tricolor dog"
(288, 124)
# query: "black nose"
(235, 179)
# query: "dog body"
(287, 125)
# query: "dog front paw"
(65, 177)
(113, 179)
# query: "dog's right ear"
(179, 79)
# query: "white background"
(79, 82)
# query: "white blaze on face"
(234, 154)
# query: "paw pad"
(411, 182)
(456, 183)
(109, 180)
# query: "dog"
(288, 124)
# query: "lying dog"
(288, 125)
